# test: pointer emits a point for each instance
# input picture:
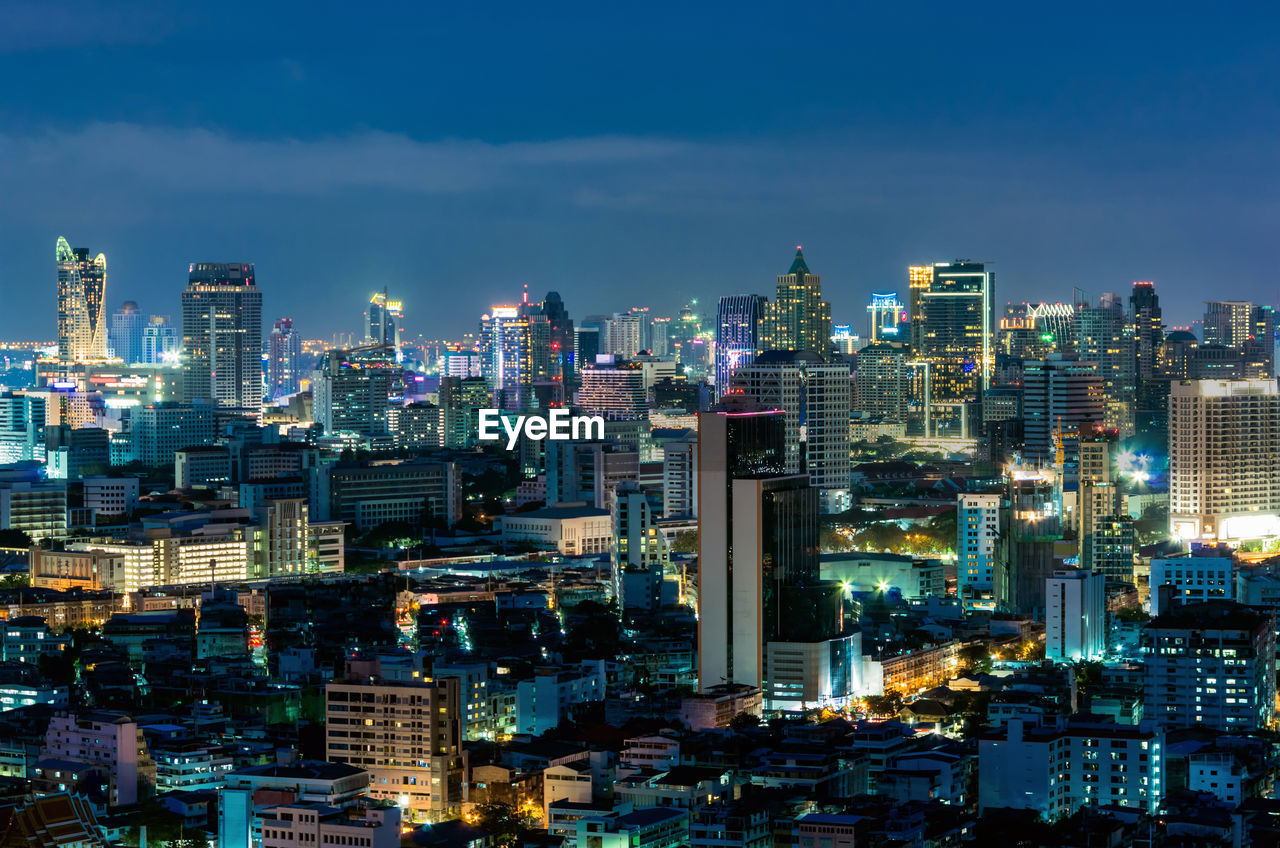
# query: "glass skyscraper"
(82, 288)
(739, 319)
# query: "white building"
(863, 571)
(1191, 579)
(312, 825)
(110, 495)
(1056, 769)
(572, 529)
(111, 741)
(980, 570)
(1076, 615)
(1224, 459)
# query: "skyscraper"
(125, 337)
(222, 335)
(506, 353)
(766, 618)
(1076, 617)
(624, 334)
(800, 318)
(739, 321)
(817, 397)
(1105, 336)
(1060, 394)
(82, 288)
(382, 322)
(562, 337)
(981, 568)
(1106, 530)
(955, 334)
(284, 360)
(351, 389)
(1224, 460)
(885, 313)
(1226, 322)
(1148, 327)
(161, 342)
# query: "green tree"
(685, 542)
(15, 581)
(506, 824)
(744, 721)
(14, 539)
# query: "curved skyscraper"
(82, 288)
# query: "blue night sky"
(633, 154)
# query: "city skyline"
(673, 178)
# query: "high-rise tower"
(801, 319)
(222, 335)
(739, 324)
(284, 360)
(82, 288)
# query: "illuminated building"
(767, 619)
(461, 399)
(739, 325)
(1059, 394)
(506, 356)
(407, 735)
(614, 390)
(623, 335)
(1210, 665)
(800, 319)
(1191, 580)
(284, 360)
(351, 390)
(1260, 347)
(1226, 322)
(1224, 460)
(222, 336)
(919, 278)
(886, 314)
(1104, 336)
(157, 430)
(382, 322)
(981, 569)
(816, 397)
(639, 553)
(1035, 525)
(1037, 330)
(1105, 528)
(22, 423)
(883, 380)
(955, 334)
(1076, 616)
(161, 342)
(82, 289)
(125, 336)
(560, 326)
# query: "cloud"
(28, 26)
(178, 160)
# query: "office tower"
(563, 364)
(885, 312)
(739, 323)
(660, 333)
(1035, 526)
(1224, 460)
(284, 360)
(1210, 665)
(639, 554)
(800, 318)
(816, 397)
(82, 289)
(586, 347)
(731, 446)
(588, 471)
(125, 337)
(1076, 616)
(1148, 328)
(22, 425)
(955, 335)
(351, 390)
(416, 426)
(222, 336)
(981, 568)
(624, 334)
(766, 619)
(844, 340)
(1059, 394)
(161, 342)
(1105, 528)
(461, 399)
(157, 430)
(919, 279)
(383, 322)
(1037, 330)
(461, 363)
(408, 490)
(614, 390)
(506, 351)
(407, 735)
(1260, 347)
(883, 380)
(1227, 322)
(1105, 336)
